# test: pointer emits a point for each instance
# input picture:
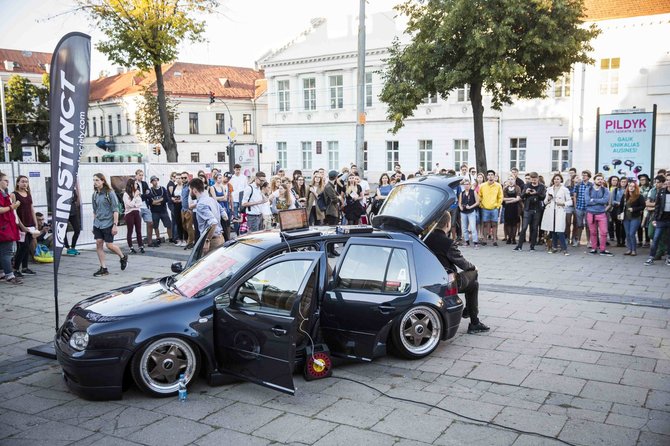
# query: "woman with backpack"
(105, 222)
(9, 232)
(315, 213)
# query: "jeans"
(662, 230)
(531, 218)
(254, 222)
(236, 214)
(559, 236)
(469, 226)
(631, 227)
(598, 224)
(6, 259)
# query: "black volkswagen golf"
(259, 307)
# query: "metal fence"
(39, 175)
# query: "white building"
(202, 128)
(312, 100)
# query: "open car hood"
(416, 205)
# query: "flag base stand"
(45, 350)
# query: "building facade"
(312, 100)
(203, 125)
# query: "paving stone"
(103, 440)
(347, 435)
(242, 417)
(460, 433)
(295, 428)
(79, 411)
(197, 406)
(659, 422)
(658, 400)
(615, 393)
(651, 439)
(30, 404)
(461, 368)
(180, 432)
(419, 427)
(479, 410)
(594, 372)
(53, 431)
(122, 421)
(529, 348)
(627, 362)
(573, 354)
(307, 404)
(626, 421)
(650, 380)
(494, 356)
(531, 421)
(227, 436)
(498, 374)
(354, 413)
(593, 434)
(631, 411)
(554, 383)
(246, 393)
(533, 440)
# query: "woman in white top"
(266, 210)
(177, 209)
(553, 220)
(132, 201)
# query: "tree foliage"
(507, 48)
(147, 117)
(146, 34)
(27, 107)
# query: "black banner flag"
(68, 104)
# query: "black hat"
(332, 174)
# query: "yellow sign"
(361, 118)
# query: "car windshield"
(215, 269)
(413, 202)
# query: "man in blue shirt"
(580, 206)
(208, 214)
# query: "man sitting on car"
(208, 214)
(447, 252)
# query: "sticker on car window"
(205, 276)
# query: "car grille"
(67, 331)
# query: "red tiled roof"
(183, 80)
(614, 9)
(25, 61)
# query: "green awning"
(121, 154)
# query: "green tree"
(508, 48)
(146, 34)
(147, 117)
(27, 114)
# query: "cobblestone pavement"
(565, 358)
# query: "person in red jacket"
(9, 232)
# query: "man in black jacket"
(447, 252)
(533, 200)
(661, 219)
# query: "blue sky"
(243, 32)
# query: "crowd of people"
(628, 212)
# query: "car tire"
(417, 333)
(156, 367)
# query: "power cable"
(433, 406)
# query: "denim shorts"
(580, 215)
(146, 215)
(490, 215)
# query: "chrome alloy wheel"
(163, 361)
(420, 330)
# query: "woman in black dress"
(512, 215)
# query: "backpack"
(244, 210)
(321, 201)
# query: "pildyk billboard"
(625, 144)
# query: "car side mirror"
(177, 267)
(222, 300)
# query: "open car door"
(258, 321)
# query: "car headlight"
(79, 340)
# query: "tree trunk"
(169, 143)
(478, 118)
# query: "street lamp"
(232, 133)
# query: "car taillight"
(451, 289)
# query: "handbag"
(620, 216)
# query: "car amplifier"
(354, 229)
